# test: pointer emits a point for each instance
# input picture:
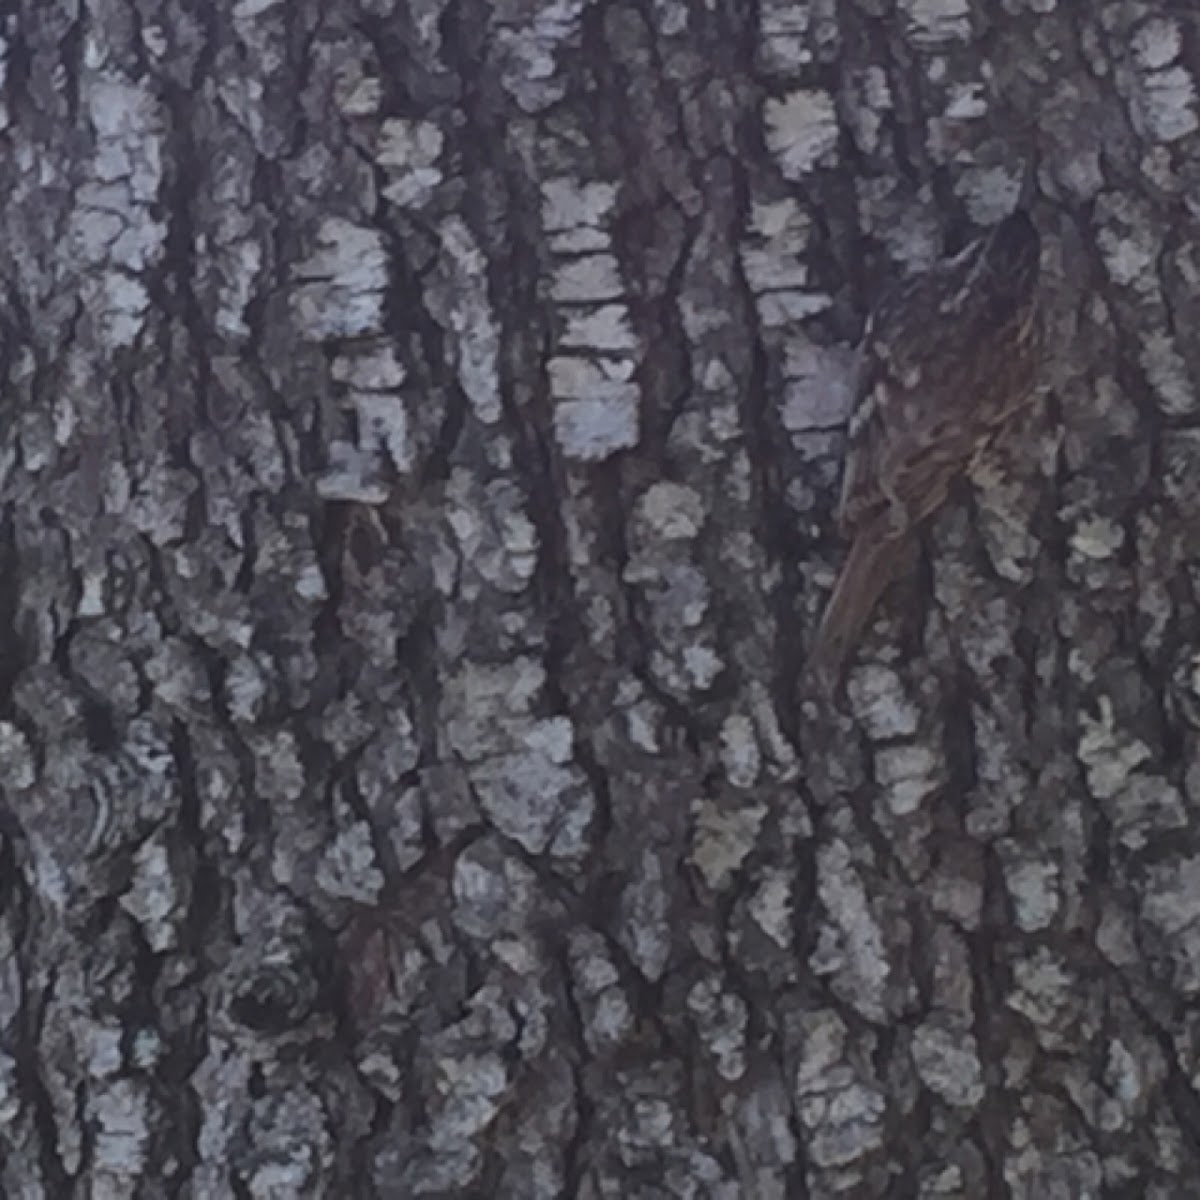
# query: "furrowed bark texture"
(421, 426)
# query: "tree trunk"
(422, 429)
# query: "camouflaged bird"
(947, 358)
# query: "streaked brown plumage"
(947, 358)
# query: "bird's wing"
(868, 569)
(888, 412)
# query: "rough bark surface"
(422, 422)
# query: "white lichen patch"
(527, 46)
(907, 776)
(947, 1060)
(842, 1115)
(114, 229)
(773, 908)
(1109, 755)
(818, 392)
(469, 1092)
(1033, 888)
(369, 366)
(867, 99)
(247, 10)
(495, 541)
(492, 892)
(1129, 236)
(765, 272)
(383, 428)
(1168, 374)
(349, 868)
(1171, 905)
(1168, 107)
(785, 32)
(741, 756)
(603, 1004)
(604, 329)
(701, 665)
(590, 279)
(520, 766)
(575, 214)
(670, 512)
(119, 1116)
(721, 1020)
(667, 521)
(1147, 806)
(351, 473)
(1043, 989)
(989, 193)
(279, 775)
(340, 286)
(772, 255)
(152, 896)
(519, 537)
(409, 152)
(851, 943)
(966, 101)
(356, 93)
(931, 24)
(16, 757)
(1156, 43)
(1164, 105)
(597, 401)
(879, 700)
(580, 378)
(802, 131)
(530, 797)
(486, 707)
(594, 427)
(1133, 1071)
(723, 839)
(459, 301)
(1097, 538)
(644, 929)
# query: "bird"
(947, 358)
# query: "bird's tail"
(868, 569)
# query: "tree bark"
(422, 428)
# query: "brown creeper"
(947, 358)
